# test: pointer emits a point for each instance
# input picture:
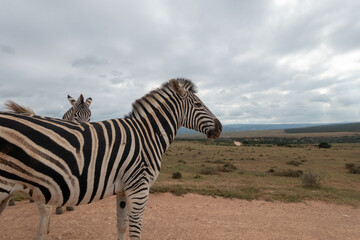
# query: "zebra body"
(63, 163)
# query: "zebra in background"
(79, 112)
(59, 162)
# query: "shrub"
(324, 145)
(352, 168)
(18, 196)
(208, 171)
(311, 180)
(349, 165)
(294, 163)
(355, 170)
(197, 176)
(176, 175)
(227, 167)
(271, 170)
(289, 173)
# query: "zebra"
(58, 162)
(79, 112)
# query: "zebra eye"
(198, 105)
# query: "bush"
(324, 145)
(208, 171)
(18, 196)
(176, 175)
(227, 167)
(352, 168)
(289, 173)
(349, 165)
(311, 180)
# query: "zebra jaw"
(215, 132)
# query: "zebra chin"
(215, 132)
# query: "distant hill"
(253, 127)
(341, 127)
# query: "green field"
(257, 171)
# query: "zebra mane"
(186, 83)
(17, 108)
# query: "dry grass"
(249, 177)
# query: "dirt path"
(193, 217)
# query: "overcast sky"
(253, 61)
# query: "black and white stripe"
(64, 163)
(79, 112)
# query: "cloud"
(253, 61)
(6, 49)
(88, 61)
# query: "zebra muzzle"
(216, 131)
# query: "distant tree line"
(280, 141)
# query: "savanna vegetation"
(271, 168)
(271, 171)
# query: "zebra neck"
(69, 115)
(160, 114)
(159, 128)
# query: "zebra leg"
(12, 202)
(137, 201)
(45, 213)
(122, 215)
(3, 204)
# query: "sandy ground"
(193, 217)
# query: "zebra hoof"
(70, 208)
(59, 210)
(12, 202)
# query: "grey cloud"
(118, 52)
(116, 80)
(321, 98)
(6, 49)
(88, 61)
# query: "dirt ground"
(193, 217)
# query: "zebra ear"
(81, 99)
(88, 101)
(71, 100)
(175, 85)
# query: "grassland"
(257, 171)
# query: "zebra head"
(80, 111)
(196, 115)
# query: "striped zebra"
(79, 112)
(59, 162)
